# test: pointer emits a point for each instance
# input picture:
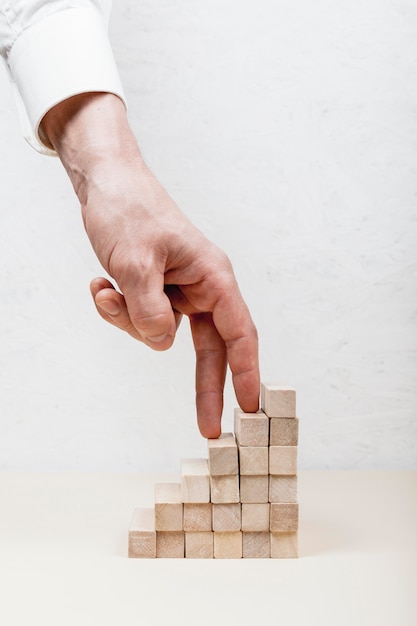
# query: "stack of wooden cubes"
(240, 502)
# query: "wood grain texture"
(224, 489)
(255, 517)
(222, 455)
(142, 534)
(169, 545)
(197, 517)
(254, 489)
(199, 545)
(283, 431)
(283, 488)
(195, 481)
(284, 517)
(256, 545)
(251, 429)
(278, 401)
(228, 545)
(227, 517)
(284, 545)
(283, 460)
(168, 507)
(253, 461)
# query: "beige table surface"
(63, 540)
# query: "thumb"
(150, 310)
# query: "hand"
(164, 267)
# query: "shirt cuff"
(62, 55)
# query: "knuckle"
(127, 265)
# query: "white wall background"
(287, 130)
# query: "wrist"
(91, 134)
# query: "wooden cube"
(222, 455)
(197, 517)
(284, 545)
(199, 545)
(224, 489)
(142, 535)
(195, 481)
(169, 545)
(284, 517)
(283, 431)
(168, 506)
(253, 461)
(251, 429)
(278, 401)
(283, 460)
(226, 517)
(254, 489)
(255, 517)
(283, 488)
(228, 545)
(256, 545)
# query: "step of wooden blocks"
(284, 517)
(283, 489)
(168, 507)
(169, 545)
(251, 429)
(142, 534)
(240, 502)
(224, 489)
(228, 545)
(254, 489)
(199, 545)
(195, 480)
(256, 545)
(223, 459)
(278, 401)
(227, 517)
(283, 431)
(256, 517)
(253, 460)
(284, 545)
(197, 516)
(282, 460)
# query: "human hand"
(162, 264)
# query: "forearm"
(93, 139)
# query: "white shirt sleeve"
(55, 50)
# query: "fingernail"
(157, 338)
(110, 307)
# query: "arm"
(163, 265)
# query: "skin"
(162, 264)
